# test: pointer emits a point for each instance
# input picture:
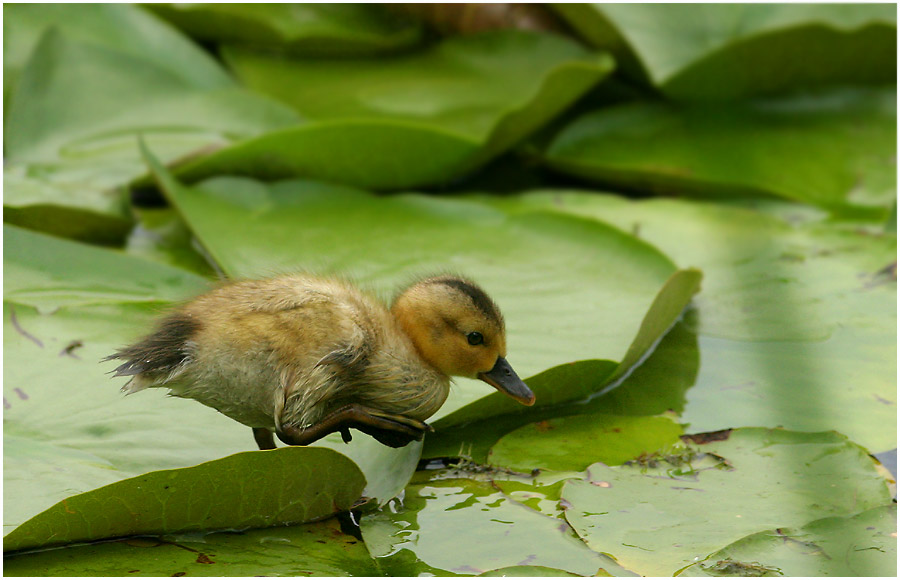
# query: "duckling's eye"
(475, 338)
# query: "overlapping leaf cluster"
(291, 141)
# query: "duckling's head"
(457, 329)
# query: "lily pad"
(573, 443)
(833, 149)
(722, 51)
(246, 490)
(371, 122)
(48, 273)
(489, 532)
(73, 123)
(63, 209)
(120, 27)
(861, 545)
(656, 518)
(316, 549)
(310, 29)
(782, 304)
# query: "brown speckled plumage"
(290, 350)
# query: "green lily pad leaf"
(723, 51)
(489, 531)
(120, 27)
(89, 215)
(472, 429)
(559, 444)
(72, 127)
(409, 120)
(833, 149)
(310, 29)
(657, 517)
(35, 267)
(246, 490)
(782, 304)
(861, 545)
(315, 549)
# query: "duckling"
(305, 356)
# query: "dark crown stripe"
(481, 300)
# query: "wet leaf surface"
(573, 443)
(659, 517)
(489, 530)
(861, 545)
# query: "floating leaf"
(860, 545)
(73, 123)
(415, 119)
(316, 549)
(310, 29)
(833, 149)
(489, 532)
(246, 490)
(658, 518)
(47, 273)
(781, 305)
(573, 443)
(119, 27)
(722, 51)
(62, 208)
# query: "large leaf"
(311, 29)
(71, 133)
(63, 208)
(489, 531)
(861, 545)
(120, 27)
(658, 517)
(416, 119)
(246, 490)
(796, 324)
(47, 273)
(317, 549)
(834, 149)
(76, 98)
(575, 442)
(718, 51)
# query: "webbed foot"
(387, 429)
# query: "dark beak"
(503, 378)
